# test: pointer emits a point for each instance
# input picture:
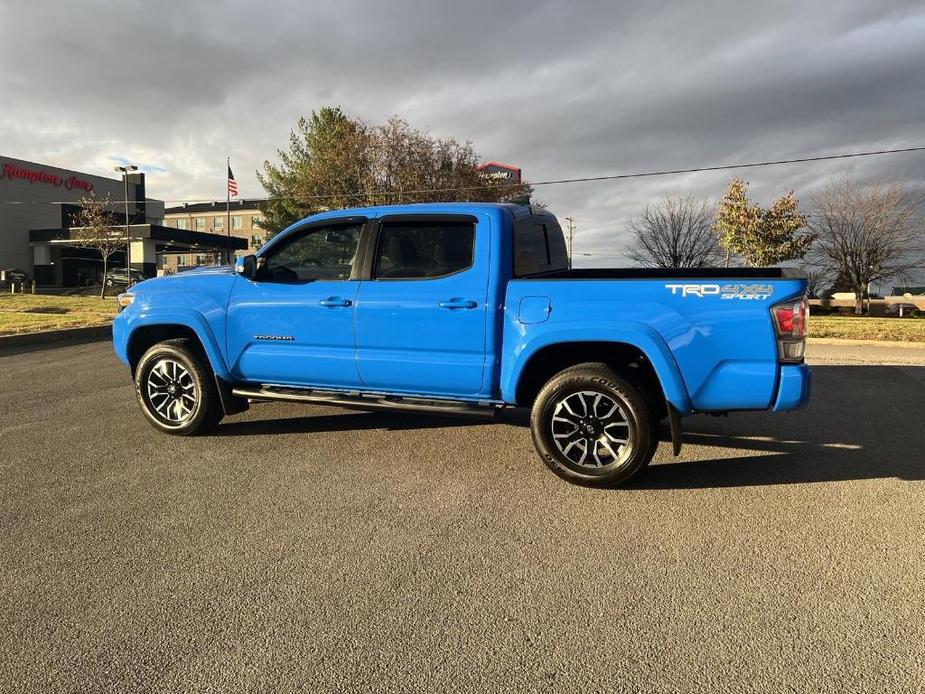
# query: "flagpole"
(227, 211)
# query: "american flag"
(232, 184)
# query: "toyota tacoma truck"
(467, 308)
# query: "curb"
(56, 338)
(844, 342)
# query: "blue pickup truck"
(467, 308)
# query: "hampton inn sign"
(496, 172)
(12, 171)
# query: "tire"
(176, 389)
(592, 428)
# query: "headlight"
(125, 300)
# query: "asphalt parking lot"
(315, 549)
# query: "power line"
(725, 167)
(648, 174)
(551, 182)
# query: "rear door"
(293, 324)
(421, 317)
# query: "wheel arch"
(646, 363)
(144, 334)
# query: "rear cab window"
(539, 246)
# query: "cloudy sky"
(562, 89)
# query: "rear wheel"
(176, 389)
(593, 428)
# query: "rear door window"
(423, 250)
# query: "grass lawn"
(862, 328)
(25, 313)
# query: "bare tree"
(867, 233)
(819, 277)
(674, 232)
(94, 228)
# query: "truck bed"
(710, 327)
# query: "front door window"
(325, 253)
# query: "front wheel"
(593, 428)
(176, 390)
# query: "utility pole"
(571, 232)
(125, 170)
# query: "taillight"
(790, 324)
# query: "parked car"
(119, 276)
(901, 310)
(467, 309)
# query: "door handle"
(335, 301)
(458, 303)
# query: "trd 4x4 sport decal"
(723, 291)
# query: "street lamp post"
(125, 170)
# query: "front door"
(421, 318)
(293, 324)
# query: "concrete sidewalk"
(861, 352)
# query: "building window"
(236, 222)
(218, 223)
(256, 241)
(181, 260)
(255, 221)
(200, 223)
(182, 224)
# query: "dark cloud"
(561, 88)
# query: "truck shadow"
(863, 422)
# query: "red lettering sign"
(12, 171)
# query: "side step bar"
(368, 401)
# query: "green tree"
(317, 172)
(335, 161)
(761, 236)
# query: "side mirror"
(246, 265)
